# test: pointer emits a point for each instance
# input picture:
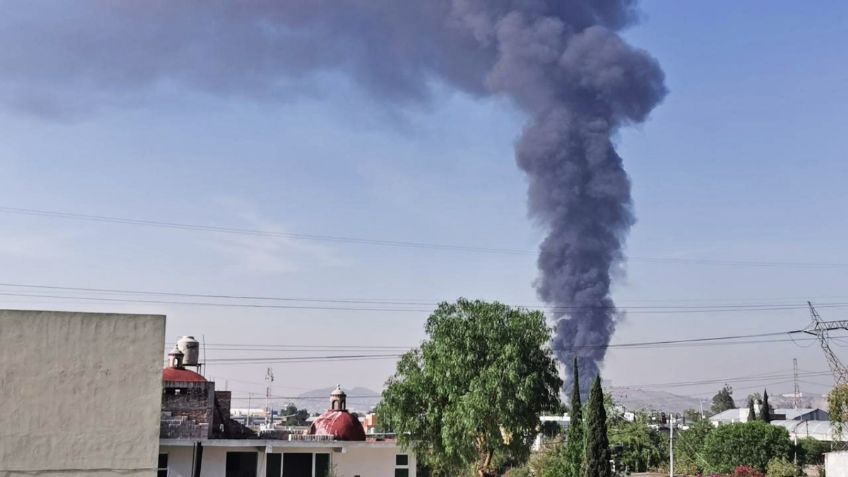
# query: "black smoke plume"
(560, 61)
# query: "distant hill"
(635, 399)
(362, 400)
(359, 399)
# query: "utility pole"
(796, 397)
(671, 445)
(249, 402)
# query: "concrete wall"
(80, 393)
(836, 464)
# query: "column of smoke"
(560, 61)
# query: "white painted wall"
(80, 392)
(362, 459)
(836, 464)
(364, 462)
(179, 460)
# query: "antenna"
(269, 378)
(796, 397)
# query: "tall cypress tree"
(596, 459)
(752, 415)
(765, 415)
(574, 439)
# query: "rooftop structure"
(337, 423)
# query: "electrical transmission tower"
(821, 330)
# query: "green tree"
(751, 443)
(641, 448)
(723, 400)
(688, 445)
(692, 415)
(837, 407)
(765, 415)
(752, 415)
(574, 440)
(472, 393)
(596, 460)
(293, 416)
(811, 451)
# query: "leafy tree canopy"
(472, 393)
(723, 400)
(639, 447)
(292, 416)
(811, 451)
(837, 403)
(688, 445)
(751, 443)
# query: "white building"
(334, 444)
(731, 416)
(281, 458)
(80, 393)
(814, 429)
(836, 464)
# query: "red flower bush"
(747, 471)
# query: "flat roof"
(276, 443)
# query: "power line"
(383, 242)
(261, 233)
(300, 359)
(788, 377)
(253, 347)
(376, 305)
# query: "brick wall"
(187, 410)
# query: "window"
(273, 465)
(162, 466)
(322, 465)
(402, 464)
(297, 464)
(241, 464)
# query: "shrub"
(781, 467)
(751, 444)
(747, 471)
(811, 451)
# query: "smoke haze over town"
(381, 170)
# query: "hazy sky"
(743, 162)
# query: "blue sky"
(743, 161)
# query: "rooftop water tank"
(191, 350)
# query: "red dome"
(181, 376)
(342, 425)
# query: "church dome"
(337, 422)
(181, 375)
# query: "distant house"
(820, 430)
(731, 416)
